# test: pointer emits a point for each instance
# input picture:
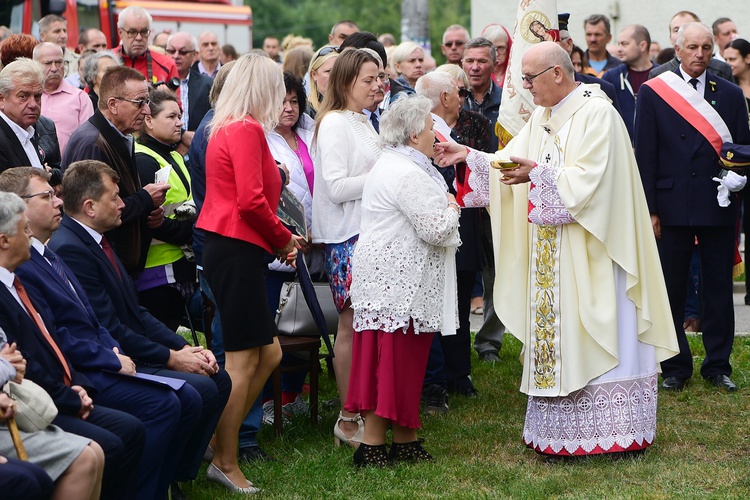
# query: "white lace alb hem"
(615, 412)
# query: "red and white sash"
(689, 104)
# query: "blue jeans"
(251, 425)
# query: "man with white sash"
(682, 119)
(582, 286)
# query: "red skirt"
(387, 374)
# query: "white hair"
(405, 118)
(681, 33)
(135, 11)
(192, 38)
(11, 209)
(401, 53)
(432, 85)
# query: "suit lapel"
(15, 144)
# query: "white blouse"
(346, 148)
(401, 268)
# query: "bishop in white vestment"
(582, 285)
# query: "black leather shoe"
(673, 384)
(489, 357)
(722, 382)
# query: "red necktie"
(40, 324)
(111, 256)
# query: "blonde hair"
(456, 73)
(315, 64)
(401, 53)
(254, 87)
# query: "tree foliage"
(314, 18)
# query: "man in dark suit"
(26, 322)
(26, 139)
(715, 66)
(89, 346)
(93, 207)
(194, 86)
(677, 166)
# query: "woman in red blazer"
(243, 186)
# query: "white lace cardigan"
(401, 269)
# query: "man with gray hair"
(443, 93)
(484, 96)
(454, 39)
(20, 107)
(134, 28)
(682, 117)
(67, 106)
(194, 87)
(581, 283)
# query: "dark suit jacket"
(199, 87)
(143, 337)
(677, 163)
(85, 342)
(96, 139)
(42, 364)
(45, 143)
(716, 67)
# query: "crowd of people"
(136, 180)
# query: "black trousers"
(457, 348)
(716, 249)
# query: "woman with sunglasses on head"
(168, 279)
(318, 73)
(346, 147)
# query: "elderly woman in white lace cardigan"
(403, 283)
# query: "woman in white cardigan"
(403, 283)
(346, 147)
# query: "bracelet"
(458, 207)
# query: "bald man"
(572, 266)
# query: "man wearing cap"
(682, 118)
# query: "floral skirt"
(338, 258)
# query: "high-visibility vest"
(161, 253)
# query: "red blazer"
(243, 187)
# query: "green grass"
(702, 449)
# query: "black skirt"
(234, 270)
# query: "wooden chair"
(311, 345)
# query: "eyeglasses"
(49, 195)
(138, 102)
(182, 52)
(463, 93)
(530, 79)
(455, 43)
(134, 33)
(327, 50)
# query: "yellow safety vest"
(161, 253)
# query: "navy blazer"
(42, 364)
(85, 342)
(199, 87)
(143, 337)
(677, 163)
